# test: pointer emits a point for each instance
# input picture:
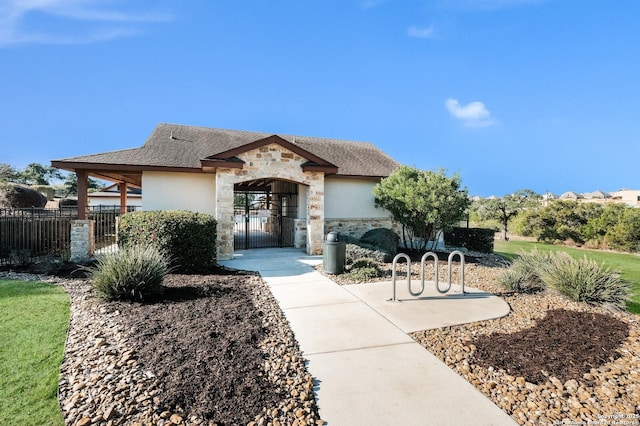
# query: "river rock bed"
(551, 361)
(212, 350)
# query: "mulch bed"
(201, 339)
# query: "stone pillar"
(315, 215)
(224, 214)
(82, 240)
(300, 233)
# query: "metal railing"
(30, 235)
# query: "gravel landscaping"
(211, 350)
(550, 361)
(217, 350)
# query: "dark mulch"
(587, 341)
(200, 337)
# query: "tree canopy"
(507, 207)
(423, 202)
(33, 174)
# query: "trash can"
(333, 253)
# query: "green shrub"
(365, 262)
(131, 273)
(476, 239)
(384, 239)
(361, 250)
(363, 274)
(523, 276)
(585, 281)
(188, 238)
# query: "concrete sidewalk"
(367, 369)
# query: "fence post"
(82, 240)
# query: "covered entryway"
(265, 213)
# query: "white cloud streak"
(100, 23)
(473, 114)
(420, 32)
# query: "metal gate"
(263, 219)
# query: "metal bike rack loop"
(461, 256)
(423, 261)
(393, 273)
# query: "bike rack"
(423, 261)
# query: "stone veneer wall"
(82, 240)
(277, 162)
(357, 227)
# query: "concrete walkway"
(368, 371)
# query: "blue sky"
(510, 94)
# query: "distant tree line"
(611, 226)
(37, 174)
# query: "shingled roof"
(181, 148)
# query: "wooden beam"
(122, 187)
(83, 191)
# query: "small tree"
(423, 202)
(37, 174)
(8, 173)
(71, 184)
(505, 208)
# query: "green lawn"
(33, 325)
(627, 264)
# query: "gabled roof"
(570, 195)
(188, 148)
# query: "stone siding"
(357, 227)
(82, 240)
(276, 162)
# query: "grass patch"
(627, 264)
(34, 317)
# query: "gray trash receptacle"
(333, 253)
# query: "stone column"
(315, 216)
(82, 240)
(224, 214)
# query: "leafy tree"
(625, 235)
(561, 221)
(505, 208)
(71, 184)
(37, 174)
(424, 202)
(8, 173)
(598, 226)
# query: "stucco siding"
(351, 199)
(179, 191)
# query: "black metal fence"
(30, 235)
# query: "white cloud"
(473, 114)
(100, 23)
(420, 32)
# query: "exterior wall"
(350, 208)
(271, 161)
(132, 200)
(627, 196)
(180, 191)
(357, 227)
(350, 198)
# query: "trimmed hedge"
(476, 239)
(187, 238)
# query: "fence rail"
(29, 235)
